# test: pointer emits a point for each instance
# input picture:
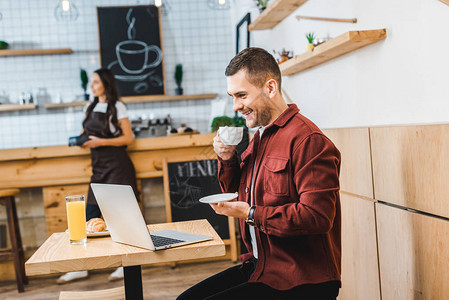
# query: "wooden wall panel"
(360, 272)
(54, 205)
(413, 254)
(411, 166)
(145, 161)
(22, 173)
(355, 173)
(77, 169)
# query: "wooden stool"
(117, 293)
(16, 251)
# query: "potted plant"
(178, 79)
(310, 37)
(222, 121)
(262, 4)
(84, 82)
(284, 55)
(218, 122)
(3, 45)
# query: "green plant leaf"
(220, 122)
(238, 121)
(84, 79)
(178, 74)
(262, 3)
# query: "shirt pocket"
(276, 176)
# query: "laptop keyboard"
(160, 241)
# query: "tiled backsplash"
(192, 33)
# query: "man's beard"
(264, 114)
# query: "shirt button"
(246, 190)
(261, 228)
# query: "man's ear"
(271, 86)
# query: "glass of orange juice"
(76, 218)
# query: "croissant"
(95, 225)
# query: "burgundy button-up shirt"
(296, 193)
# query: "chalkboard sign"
(189, 181)
(130, 46)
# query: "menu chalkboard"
(130, 46)
(188, 181)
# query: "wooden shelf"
(275, 13)
(62, 105)
(338, 46)
(14, 107)
(138, 99)
(141, 99)
(25, 52)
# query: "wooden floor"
(161, 282)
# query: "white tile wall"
(193, 34)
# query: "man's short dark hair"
(258, 64)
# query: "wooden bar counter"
(62, 170)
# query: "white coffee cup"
(230, 135)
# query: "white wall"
(192, 34)
(400, 80)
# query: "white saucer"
(95, 234)
(218, 198)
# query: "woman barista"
(107, 125)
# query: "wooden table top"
(58, 255)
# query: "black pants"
(232, 284)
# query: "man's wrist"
(247, 212)
(250, 219)
(229, 161)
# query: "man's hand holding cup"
(226, 141)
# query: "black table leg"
(133, 282)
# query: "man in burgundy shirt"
(288, 187)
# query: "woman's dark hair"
(258, 64)
(112, 96)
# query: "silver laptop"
(126, 224)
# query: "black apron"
(109, 164)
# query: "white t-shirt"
(252, 231)
(102, 107)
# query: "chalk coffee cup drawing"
(230, 135)
(132, 55)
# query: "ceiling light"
(65, 5)
(218, 4)
(158, 2)
(66, 11)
